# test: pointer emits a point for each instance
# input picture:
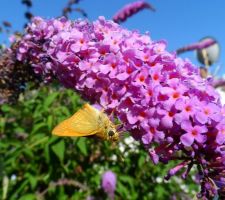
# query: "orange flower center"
(150, 93)
(223, 131)
(188, 108)
(176, 95)
(171, 114)
(142, 114)
(146, 57)
(114, 42)
(152, 130)
(113, 65)
(81, 41)
(129, 70)
(142, 78)
(153, 64)
(206, 111)
(156, 77)
(194, 132)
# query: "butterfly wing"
(83, 123)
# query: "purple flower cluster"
(109, 184)
(197, 46)
(159, 98)
(131, 9)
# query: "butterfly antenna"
(104, 109)
(118, 126)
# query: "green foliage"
(38, 165)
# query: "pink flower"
(187, 107)
(192, 133)
(208, 112)
(109, 183)
(167, 117)
(220, 138)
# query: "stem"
(62, 182)
(37, 142)
(5, 185)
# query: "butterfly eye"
(111, 133)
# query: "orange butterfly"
(86, 122)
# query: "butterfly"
(88, 121)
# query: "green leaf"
(127, 180)
(5, 108)
(2, 124)
(53, 139)
(46, 153)
(19, 189)
(28, 153)
(160, 192)
(50, 122)
(38, 127)
(32, 179)
(59, 149)
(141, 161)
(65, 111)
(49, 100)
(28, 197)
(81, 144)
(37, 139)
(122, 190)
(38, 112)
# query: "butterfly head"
(112, 135)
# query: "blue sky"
(179, 22)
